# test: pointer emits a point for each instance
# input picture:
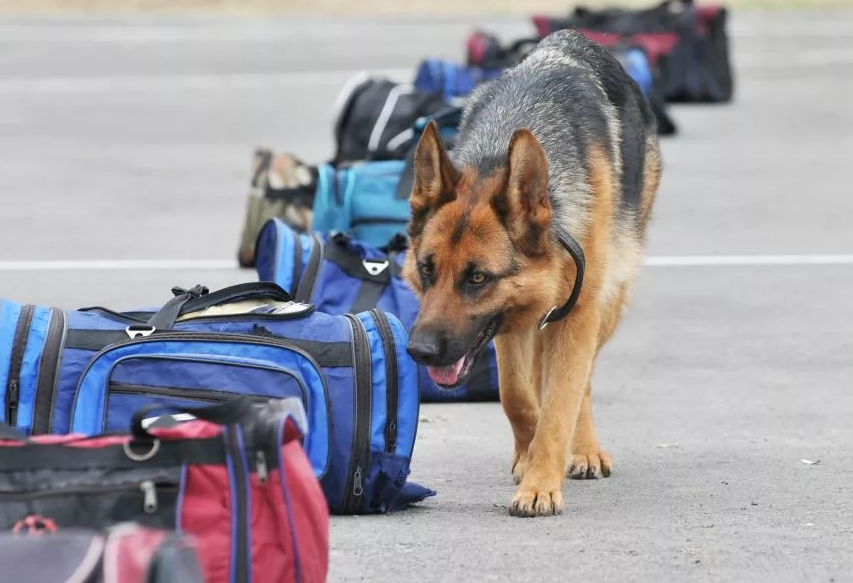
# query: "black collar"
(556, 313)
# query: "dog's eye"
(426, 270)
(477, 279)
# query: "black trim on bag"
(16, 362)
(240, 471)
(35, 456)
(362, 422)
(305, 289)
(392, 387)
(327, 354)
(297, 263)
(51, 358)
(369, 293)
(352, 264)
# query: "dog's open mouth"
(448, 377)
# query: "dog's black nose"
(424, 351)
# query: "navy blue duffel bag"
(451, 80)
(342, 275)
(86, 371)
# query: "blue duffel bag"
(341, 275)
(370, 200)
(361, 199)
(451, 80)
(86, 371)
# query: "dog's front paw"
(590, 466)
(537, 498)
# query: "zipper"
(362, 419)
(147, 488)
(117, 388)
(240, 477)
(16, 361)
(51, 359)
(391, 384)
(305, 289)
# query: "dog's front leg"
(568, 353)
(518, 384)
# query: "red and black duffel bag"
(234, 477)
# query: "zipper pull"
(261, 463)
(149, 493)
(12, 412)
(392, 441)
(357, 486)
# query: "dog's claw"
(531, 501)
(590, 466)
(519, 468)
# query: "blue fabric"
(455, 81)
(360, 200)
(336, 292)
(285, 254)
(158, 364)
(9, 314)
(379, 407)
(449, 79)
(636, 64)
(30, 367)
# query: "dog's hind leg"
(588, 460)
(518, 378)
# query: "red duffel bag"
(234, 477)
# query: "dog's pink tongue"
(446, 375)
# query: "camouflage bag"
(281, 187)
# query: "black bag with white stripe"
(374, 119)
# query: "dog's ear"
(524, 205)
(434, 178)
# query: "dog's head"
(480, 253)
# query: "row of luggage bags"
(242, 373)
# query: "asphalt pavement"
(126, 139)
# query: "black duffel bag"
(375, 118)
(695, 65)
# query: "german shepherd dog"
(562, 145)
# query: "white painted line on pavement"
(217, 265)
(786, 60)
(760, 260)
(118, 265)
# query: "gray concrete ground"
(128, 139)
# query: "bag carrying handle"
(199, 298)
(226, 413)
